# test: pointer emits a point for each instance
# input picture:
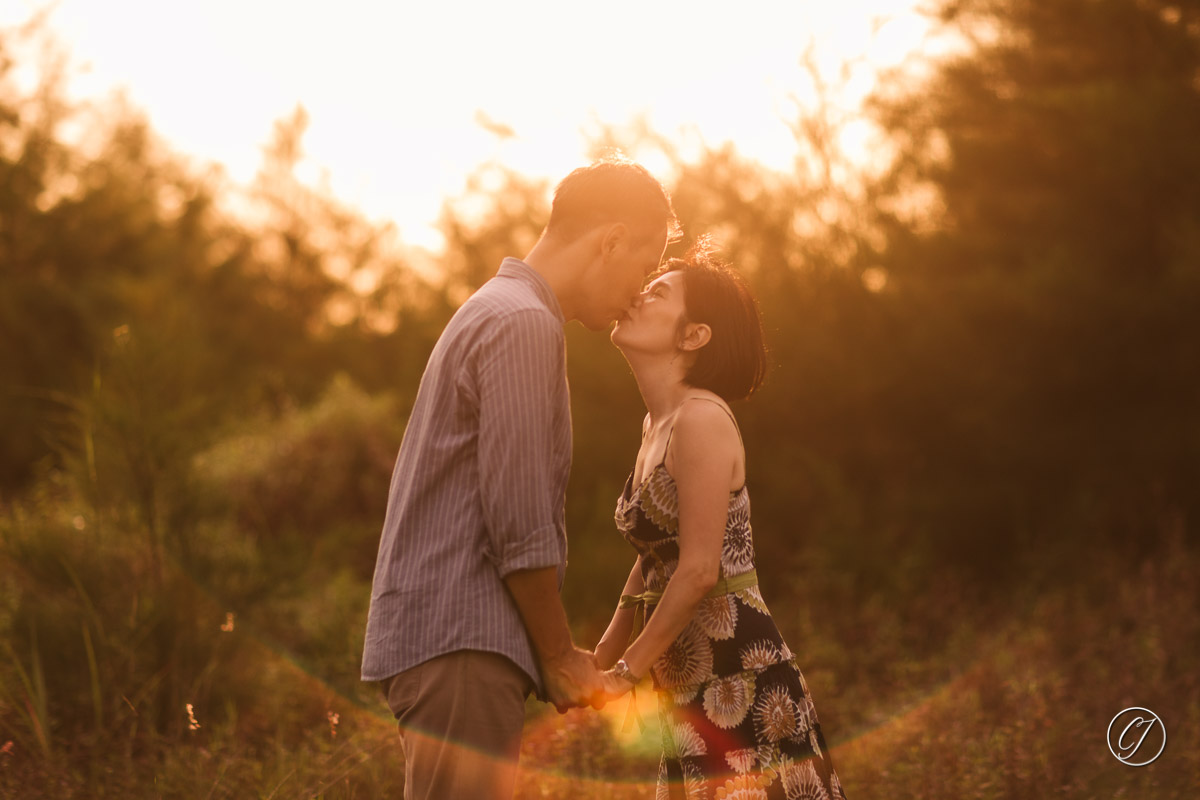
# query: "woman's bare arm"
(612, 643)
(706, 457)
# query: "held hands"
(573, 681)
(615, 685)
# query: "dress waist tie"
(641, 603)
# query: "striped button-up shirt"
(479, 486)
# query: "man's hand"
(573, 681)
(570, 674)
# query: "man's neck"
(558, 264)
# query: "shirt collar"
(516, 268)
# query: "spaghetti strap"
(719, 405)
(728, 413)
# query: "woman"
(737, 717)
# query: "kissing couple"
(466, 620)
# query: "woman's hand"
(614, 685)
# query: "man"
(466, 617)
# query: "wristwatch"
(621, 670)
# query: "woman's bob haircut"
(734, 361)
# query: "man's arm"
(521, 379)
(570, 674)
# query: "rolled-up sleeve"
(521, 384)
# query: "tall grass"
(220, 675)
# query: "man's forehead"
(655, 241)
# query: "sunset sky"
(406, 98)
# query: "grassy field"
(123, 675)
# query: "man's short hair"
(613, 189)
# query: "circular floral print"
(688, 659)
(695, 787)
(759, 654)
(686, 742)
(743, 760)
(727, 700)
(659, 501)
(737, 549)
(661, 790)
(775, 714)
(801, 781)
(717, 616)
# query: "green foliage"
(312, 468)
(121, 238)
(1064, 138)
(1042, 320)
(501, 213)
(973, 464)
(1026, 705)
(110, 657)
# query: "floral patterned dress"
(737, 718)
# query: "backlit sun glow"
(406, 99)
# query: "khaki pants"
(460, 718)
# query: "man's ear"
(695, 336)
(615, 236)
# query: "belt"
(641, 603)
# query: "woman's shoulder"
(704, 418)
(703, 406)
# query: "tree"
(1053, 291)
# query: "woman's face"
(652, 323)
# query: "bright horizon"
(404, 103)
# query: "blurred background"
(230, 235)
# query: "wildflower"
(193, 725)
(333, 722)
(227, 625)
